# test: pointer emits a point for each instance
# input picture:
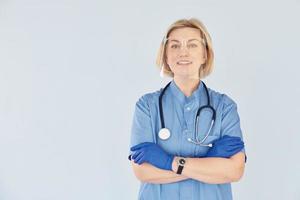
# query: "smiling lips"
(184, 62)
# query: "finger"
(140, 159)
(236, 149)
(136, 154)
(232, 142)
(233, 139)
(235, 143)
(226, 139)
(138, 146)
(233, 148)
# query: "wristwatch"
(180, 164)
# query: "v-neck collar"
(180, 95)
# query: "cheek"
(171, 59)
(198, 58)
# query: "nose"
(183, 50)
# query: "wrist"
(178, 165)
(174, 164)
(170, 162)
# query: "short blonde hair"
(207, 67)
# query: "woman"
(174, 153)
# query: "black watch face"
(182, 161)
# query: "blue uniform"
(179, 116)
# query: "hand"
(225, 147)
(153, 154)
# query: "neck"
(187, 86)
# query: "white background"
(71, 72)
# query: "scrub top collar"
(181, 97)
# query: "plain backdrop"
(72, 71)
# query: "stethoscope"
(165, 133)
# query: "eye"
(192, 45)
(174, 46)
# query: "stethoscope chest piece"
(164, 134)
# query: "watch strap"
(179, 169)
(180, 164)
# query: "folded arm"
(225, 163)
(214, 170)
(151, 174)
(208, 170)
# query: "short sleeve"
(141, 129)
(230, 122)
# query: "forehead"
(185, 33)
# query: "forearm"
(150, 174)
(213, 170)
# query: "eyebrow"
(173, 40)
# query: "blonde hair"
(205, 68)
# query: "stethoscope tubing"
(197, 142)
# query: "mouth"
(184, 62)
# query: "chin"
(187, 76)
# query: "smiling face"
(185, 52)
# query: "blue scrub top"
(179, 116)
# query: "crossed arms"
(211, 170)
